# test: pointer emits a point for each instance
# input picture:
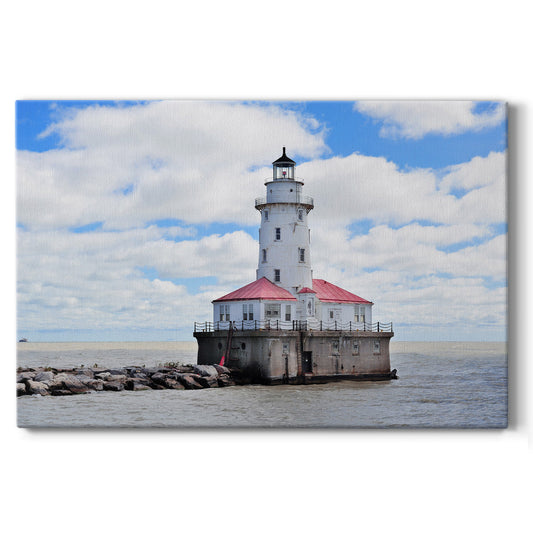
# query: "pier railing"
(292, 325)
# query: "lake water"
(441, 384)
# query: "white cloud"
(362, 187)
(93, 280)
(414, 119)
(184, 160)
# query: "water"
(443, 384)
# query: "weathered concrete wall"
(273, 356)
(260, 353)
(349, 353)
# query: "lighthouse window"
(272, 310)
(277, 274)
(301, 252)
(278, 234)
(264, 252)
(377, 348)
(300, 214)
(224, 312)
(266, 215)
(287, 313)
(247, 311)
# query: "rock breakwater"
(69, 381)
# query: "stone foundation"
(273, 357)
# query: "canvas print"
(286, 264)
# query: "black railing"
(293, 325)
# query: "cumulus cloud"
(96, 279)
(363, 187)
(414, 119)
(184, 160)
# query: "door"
(307, 362)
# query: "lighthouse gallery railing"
(293, 325)
(299, 199)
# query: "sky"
(132, 216)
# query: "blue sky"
(133, 216)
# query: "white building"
(285, 294)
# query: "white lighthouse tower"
(284, 238)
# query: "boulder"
(21, 389)
(140, 386)
(183, 369)
(137, 384)
(61, 392)
(189, 381)
(207, 382)
(138, 372)
(205, 370)
(222, 369)
(174, 384)
(120, 378)
(85, 372)
(118, 372)
(25, 376)
(74, 385)
(113, 385)
(225, 380)
(159, 378)
(43, 376)
(69, 382)
(95, 384)
(151, 370)
(36, 387)
(102, 375)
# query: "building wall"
(260, 353)
(258, 306)
(343, 313)
(275, 356)
(348, 353)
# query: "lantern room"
(283, 167)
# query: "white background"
(265, 480)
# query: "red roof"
(306, 290)
(262, 289)
(327, 292)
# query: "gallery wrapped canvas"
(262, 264)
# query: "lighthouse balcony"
(292, 180)
(306, 201)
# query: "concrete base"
(276, 357)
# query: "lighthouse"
(287, 326)
(284, 235)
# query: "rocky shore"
(69, 381)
